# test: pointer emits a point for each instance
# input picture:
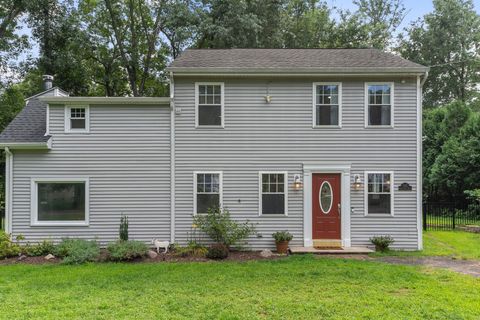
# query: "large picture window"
(273, 193)
(379, 104)
(208, 191)
(379, 193)
(60, 201)
(209, 105)
(327, 106)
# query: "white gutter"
(172, 159)
(8, 189)
(165, 101)
(28, 145)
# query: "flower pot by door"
(282, 247)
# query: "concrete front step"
(349, 250)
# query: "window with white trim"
(379, 193)
(273, 193)
(379, 104)
(327, 104)
(209, 104)
(77, 119)
(208, 191)
(61, 201)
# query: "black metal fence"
(450, 215)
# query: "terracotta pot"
(282, 247)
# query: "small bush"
(41, 249)
(219, 226)
(281, 236)
(193, 249)
(8, 248)
(217, 251)
(382, 243)
(123, 232)
(77, 251)
(127, 250)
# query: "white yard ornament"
(161, 244)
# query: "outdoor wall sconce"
(357, 183)
(297, 182)
(268, 98)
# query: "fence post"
(453, 218)
(424, 216)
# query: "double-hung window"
(209, 104)
(59, 201)
(327, 104)
(77, 119)
(379, 104)
(379, 193)
(273, 193)
(208, 191)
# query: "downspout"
(8, 189)
(420, 84)
(172, 159)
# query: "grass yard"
(298, 287)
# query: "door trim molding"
(344, 170)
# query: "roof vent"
(47, 82)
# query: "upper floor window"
(77, 119)
(273, 193)
(379, 103)
(208, 191)
(379, 193)
(209, 105)
(327, 106)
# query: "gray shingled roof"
(29, 125)
(295, 60)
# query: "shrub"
(382, 243)
(217, 251)
(193, 249)
(8, 248)
(77, 251)
(123, 232)
(281, 236)
(41, 249)
(219, 226)
(127, 250)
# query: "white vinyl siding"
(77, 119)
(379, 104)
(327, 105)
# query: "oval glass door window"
(325, 197)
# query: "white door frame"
(344, 170)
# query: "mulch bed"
(169, 257)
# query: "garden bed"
(169, 257)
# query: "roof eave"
(47, 145)
(108, 100)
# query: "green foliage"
(220, 227)
(8, 248)
(77, 251)
(448, 40)
(193, 249)
(473, 194)
(41, 249)
(382, 243)
(281, 236)
(127, 250)
(123, 228)
(217, 251)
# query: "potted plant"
(282, 238)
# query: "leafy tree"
(448, 39)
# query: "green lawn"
(299, 287)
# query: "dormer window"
(77, 119)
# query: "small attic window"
(77, 119)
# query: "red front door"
(326, 206)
